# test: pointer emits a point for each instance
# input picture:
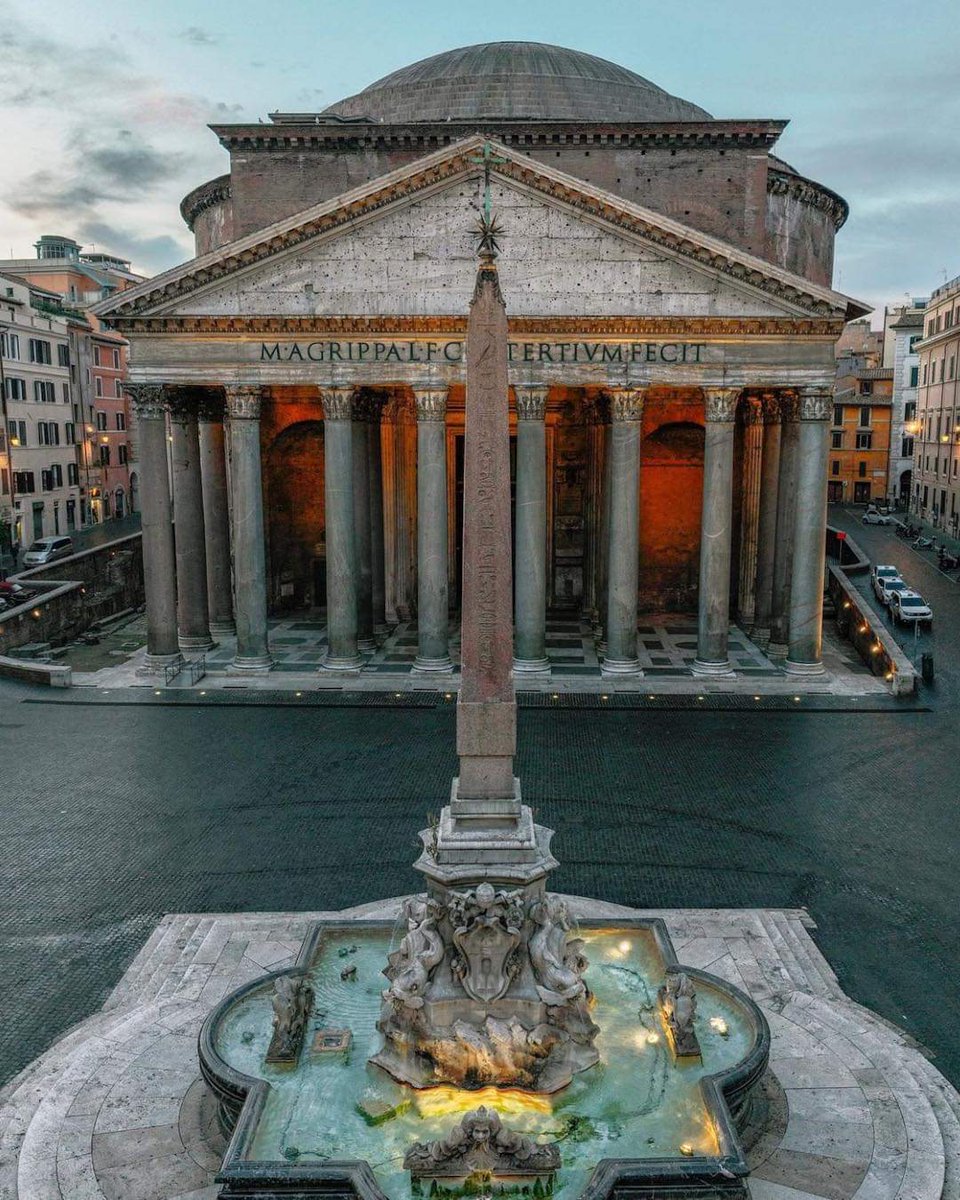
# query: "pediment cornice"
(435, 172)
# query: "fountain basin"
(336, 1124)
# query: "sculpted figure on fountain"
(420, 952)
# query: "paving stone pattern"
(116, 1110)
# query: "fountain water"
(507, 1055)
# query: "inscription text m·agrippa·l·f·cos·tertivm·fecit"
(679, 353)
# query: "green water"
(637, 1101)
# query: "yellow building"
(860, 436)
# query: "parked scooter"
(922, 543)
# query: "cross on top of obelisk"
(486, 158)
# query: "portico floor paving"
(666, 649)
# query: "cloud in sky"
(110, 128)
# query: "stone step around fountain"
(50, 1112)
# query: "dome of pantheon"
(515, 81)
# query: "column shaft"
(360, 452)
(377, 551)
(750, 512)
(433, 648)
(341, 543)
(246, 525)
(623, 534)
(786, 510)
(159, 560)
(767, 523)
(809, 540)
(216, 522)
(530, 540)
(716, 532)
(193, 621)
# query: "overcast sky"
(105, 105)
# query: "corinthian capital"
(531, 402)
(431, 403)
(816, 402)
(720, 403)
(243, 401)
(337, 403)
(770, 404)
(626, 404)
(147, 400)
(789, 406)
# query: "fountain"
(510, 1053)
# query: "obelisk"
(485, 825)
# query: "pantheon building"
(672, 326)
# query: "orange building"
(860, 435)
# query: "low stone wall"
(74, 593)
(46, 674)
(859, 622)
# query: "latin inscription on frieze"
(599, 353)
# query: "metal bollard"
(926, 667)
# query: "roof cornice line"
(434, 171)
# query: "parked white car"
(910, 608)
(882, 571)
(887, 587)
(876, 518)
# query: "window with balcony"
(23, 482)
(18, 433)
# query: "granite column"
(623, 533)
(246, 525)
(216, 517)
(810, 531)
(767, 522)
(193, 621)
(159, 558)
(752, 418)
(530, 541)
(341, 543)
(377, 552)
(786, 512)
(433, 619)
(360, 452)
(716, 533)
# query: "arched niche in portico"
(671, 491)
(294, 510)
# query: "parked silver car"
(47, 549)
(910, 608)
(886, 587)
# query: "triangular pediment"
(405, 245)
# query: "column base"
(422, 665)
(777, 649)
(760, 636)
(622, 667)
(341, 662)
(156, 664)
(806, 669)
(258, 664)
(381, 630)
(366, 645)
(222, 629)
(195, 642)
(713, 670)
(531, 666)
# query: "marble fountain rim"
(246, 1096)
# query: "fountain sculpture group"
(486, 987)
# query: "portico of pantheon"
(672, 324)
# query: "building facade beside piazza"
(672, 328)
